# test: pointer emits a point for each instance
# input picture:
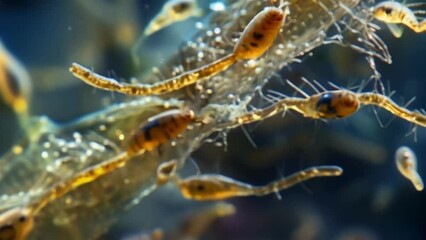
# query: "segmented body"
(159, 130)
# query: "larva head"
(15, 224)
(181, 6)
(181, 9)
(336, 104)
(203, 188)
(388, 11)
(260, 33)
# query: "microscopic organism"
(65, 177)
(406, 162)
(392, 13)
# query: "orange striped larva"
(260, 33)
(335, 104)
(160, 129)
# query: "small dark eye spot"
(200, 187)
(257, 36)
(388, 11)
(22, 219)
(325, 99)
(181, 7)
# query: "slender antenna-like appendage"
(295, 103)
(310, 84)
(414, 5)
(299, 90)
(138, 89)
(390, 106)
(298, 177)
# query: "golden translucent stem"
(330, 104)
(168, 85)
(297, 104)
(390, 106)
(296, 178)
